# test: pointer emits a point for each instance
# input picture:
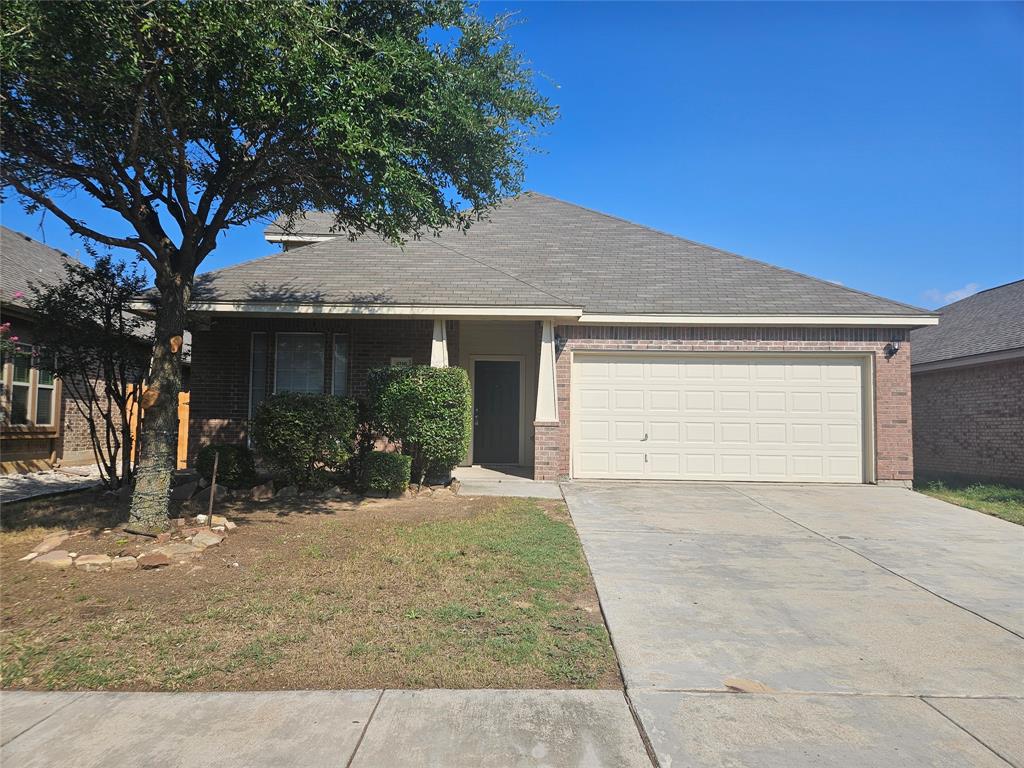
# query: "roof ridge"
(978, 293)
(730, 253)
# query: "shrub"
(428, 410)
(385, 472)
(235, 468)
(305, 437)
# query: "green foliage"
(305, 437)
(385, 472)
(428, 410)
(1004, 501)
(235, 467)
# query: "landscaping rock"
(153, 560)
(263, 492)
(29, 556)
(201, 519)
(202, 499)
(58, 558)
(179, 550)
(454, 485)
(220, 520)
(207, 539)
(178, 522)
(288, 492)
(93, 562)
(51, 542)
(128, 563)
(184, 491)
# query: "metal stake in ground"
(213, 490)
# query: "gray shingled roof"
(23, 261)
(989, 321)
(538, 251)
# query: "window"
(257, 371)
(339, 370)
(299, 363)
(33, 388)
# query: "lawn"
(996, 500)
(439, 592)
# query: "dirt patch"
(437, 591)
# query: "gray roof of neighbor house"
(23, 261)
(536, 251)
(989, 321)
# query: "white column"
(439, 344)
(547, 401)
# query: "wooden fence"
(183, 400)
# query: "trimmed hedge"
(386, 473)
(235, 468)
(428, 410)
(303, 437)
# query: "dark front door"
(496, 412)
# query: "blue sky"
(878, 145)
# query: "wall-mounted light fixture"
(559, 344)
(892, 348)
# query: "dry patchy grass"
(440, 592)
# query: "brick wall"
(969, 423)
(893, 442)
(219, 382)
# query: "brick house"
(968, 379)
(596, 348)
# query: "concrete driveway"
(886, 627)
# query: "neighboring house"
(40, 427)
(597, 348)
(968, 379)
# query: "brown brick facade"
(221, 357)
(969, 422)
(892, 429)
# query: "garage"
(722, 417)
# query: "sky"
(877, 145)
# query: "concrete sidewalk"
(361, 729)
(504, 481)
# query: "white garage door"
(700, 418)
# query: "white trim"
(300, 238)
(867, 364)
(439, 344)
(323, 362)
(899, 321)
(967, 362)
(521, 360)
(547, 385)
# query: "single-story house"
(40, 426)
(968, 384)
(597, 348)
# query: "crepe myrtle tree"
(188, 118)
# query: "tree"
(187, 118)
(97, 348)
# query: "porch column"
(547, 402)
(439, 344)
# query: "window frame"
(323, 360)
(252, 354)
(30, 427)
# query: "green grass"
(1000, 501)
(484, 593)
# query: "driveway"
(885, 627)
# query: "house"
(40, 427)
(597, 348)
(968, 384)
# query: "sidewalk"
(314, 729)
(18, 487)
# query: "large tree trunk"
(159, 434)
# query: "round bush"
(428, 410)
(303, 437)
(386, 473)
(235, 467)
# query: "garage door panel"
(702, 418)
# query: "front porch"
(238, 361)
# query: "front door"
(496, 412)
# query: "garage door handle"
(645, 437)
